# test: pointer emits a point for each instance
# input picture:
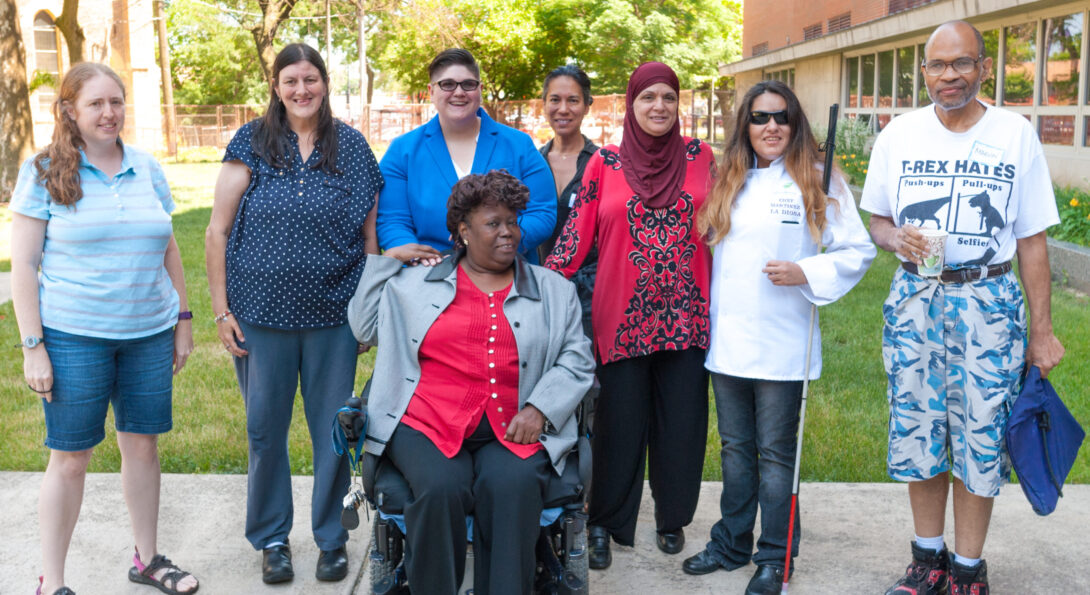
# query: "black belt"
(966, 274)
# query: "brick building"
(120, 33)
(865, 55)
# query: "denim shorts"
(90, 373)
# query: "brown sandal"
(146, 574)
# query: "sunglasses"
(761, 118)
(467, 85)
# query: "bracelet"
(187, 315)
(221, 317)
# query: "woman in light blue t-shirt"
(105, 322)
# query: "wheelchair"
(562, 562)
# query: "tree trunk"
(16, 124)
(273, 13)
(68, 24)
(159, 12)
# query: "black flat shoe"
(768, 580)
(598, 553)
(671, 542)
(702, 563)
(276, 564)
(332, 565)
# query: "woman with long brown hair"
(292, 223)
(780, 245)
(105, 321)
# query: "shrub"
(854, 140)
(1074, 207)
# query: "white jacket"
(758, 330)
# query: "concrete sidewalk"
(855, 540)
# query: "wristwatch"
(30, 342)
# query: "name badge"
(986, 154)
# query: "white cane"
(829, 148)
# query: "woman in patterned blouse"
(291, 225)
(637, 206)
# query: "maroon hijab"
(654, 166)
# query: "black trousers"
(502, 491)
(654, 406)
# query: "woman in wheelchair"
(481, 364)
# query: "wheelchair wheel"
(387, 548)
(575, 560)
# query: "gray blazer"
(394, 306)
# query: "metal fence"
(701, 117)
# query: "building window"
(906, 75)
(45, 57)
(1056, 130)
(896, 6)
(991, 50)
(760, 48)
(1063, 52)
(785, 76)
(866, 93)
(853, 81)
(885, 79)
(1036, 71)
(922, 97)
(811, 32)
(840, 22)
(1020, 64)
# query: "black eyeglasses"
(761, 118)
(466, 85)
(963, 65)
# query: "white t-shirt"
(759, 330)
(987, 187)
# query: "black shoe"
(702, 563)
(598, 553)
(671, 542)
(965, 580)
(332, 565)
(928, 574)
(768, 580)
(276, 564)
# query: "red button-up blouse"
(468, 367)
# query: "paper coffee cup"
(936, 246)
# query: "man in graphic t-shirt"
(955, 346)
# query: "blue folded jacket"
(1043, 439)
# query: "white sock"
(967, 562)
(935, 544)
(273, 544)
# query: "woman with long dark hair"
(105, 321)
(637, 205)
(291, 227)
(781, 244)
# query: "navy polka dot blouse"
(296, 249)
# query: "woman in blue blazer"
(421, 166)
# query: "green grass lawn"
(845, 417)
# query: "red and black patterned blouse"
(653, 268)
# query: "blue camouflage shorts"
(954, 354)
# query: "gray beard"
(969, 97)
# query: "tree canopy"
(517, 42)
(216, 55)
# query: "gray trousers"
(322, 363)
